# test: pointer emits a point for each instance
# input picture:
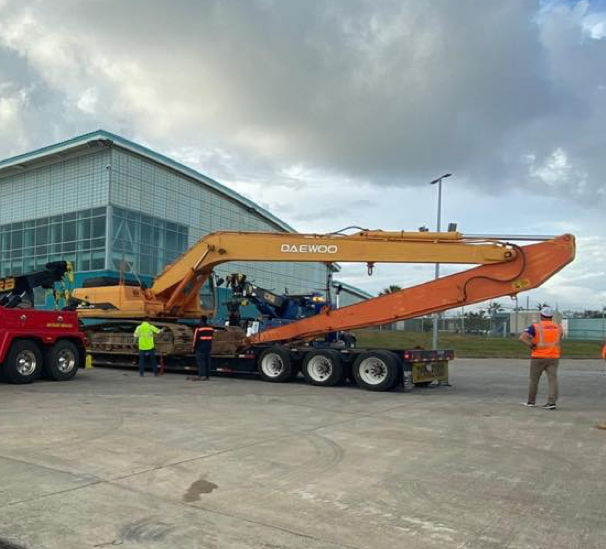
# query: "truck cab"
(33, 342)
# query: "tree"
(391, 289)
(494, 307)
(477, 322)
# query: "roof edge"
(152, 155)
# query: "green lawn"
(469, 346)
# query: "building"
(115, 208)
(520, 320)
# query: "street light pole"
(436, 316)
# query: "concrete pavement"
(113, 460)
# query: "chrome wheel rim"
(272, 365)
(373, 371)
(26, 363)
(66, 361)
(319, 368)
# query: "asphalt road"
(113, 460)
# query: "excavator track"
(112, 343)
(116, 338)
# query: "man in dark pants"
(144, 335)
(203, 340)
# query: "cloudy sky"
(338, 112)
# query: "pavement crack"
(50, 494)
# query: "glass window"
(29, 236)
(69, 231)
(97, 260)
(17, 239)
(84, 229)
(55, 233)
(83, 261)
(41, 234)
(98, 228)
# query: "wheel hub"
(373, 371)
(26, 363)
(65, 361)
(272, 365)
(320, 368)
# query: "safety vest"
(145, 333)
(547, 336)
(203, 333)
(604, 352)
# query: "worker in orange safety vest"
(202, 343)
(543, 338)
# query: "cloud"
(333, 113)
(381, 91)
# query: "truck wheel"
(276, 365)
(61, 361)
(376, 370)
(23, 363)
(324, 368)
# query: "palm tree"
(391, 289)
(494, 307)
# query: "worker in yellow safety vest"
(144, 336)
(543, 338)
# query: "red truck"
(35, 342)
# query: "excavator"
(279, 353)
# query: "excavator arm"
(532, 266)
(505, 269)
(177, 286)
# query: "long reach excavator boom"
(505, 269)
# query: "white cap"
(546, 311)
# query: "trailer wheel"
(324, 368)
(61, 361)
(376, 370)
(276, 365)
(23, 363)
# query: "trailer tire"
(61, 361)
(276, 365)
(376, 370)
(23, 362)
(324, 368)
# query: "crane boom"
(534, 264)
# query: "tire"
(61, 361)
(376, 370)
(23, 364)
(323, 368)
(275, 365)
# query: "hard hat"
(546, 311)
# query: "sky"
(332, 113)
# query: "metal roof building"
(112, 206)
